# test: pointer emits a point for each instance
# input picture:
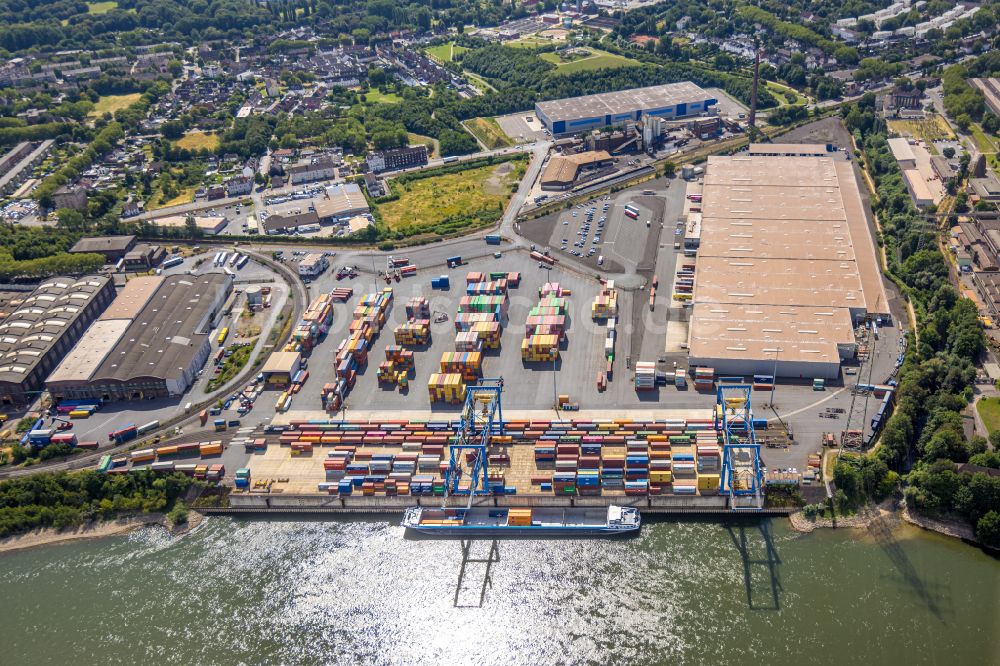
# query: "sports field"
(445, 52)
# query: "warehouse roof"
(790, 208)
(38, 322)
(167, 330)
(901, 149)
(81, 361)
(340, 200)
(766, 239)
(133, 297)
(103, 244)
(623, 101)
(804, 282)
(281, 362)
(788, 149)
(564, 168)
(761, 331)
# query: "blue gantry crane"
(742, 474)
(482, 417)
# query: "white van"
(600, 260)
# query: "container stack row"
(368, 319)
(77, 409)
(704, 379)
(396, 367)
(645, 376)
(684, 282)
(545, 328)
(605, 304)
(414, 332)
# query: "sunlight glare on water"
(356, 591)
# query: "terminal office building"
(574, 115)
(150, 343)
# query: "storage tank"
(687, 171)
(255, 297)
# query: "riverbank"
(865, 516)
(890, 510)
(98, 529)
(953, 528)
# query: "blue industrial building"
(580, 114)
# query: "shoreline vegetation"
(98, 529)
(893, 512)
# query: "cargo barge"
(498, 522)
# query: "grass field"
(529, 42)
(421, 139)
(196, 140)
(488, 132)
(989, 412)
(186, 196)
(982, 141)
(468, 199)
(375, 96)
(596, 60)
(445, 52)
(478, 82)
(112, 103)
(101, 7)
(932, 128)
(782, 92)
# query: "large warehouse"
(42, 327)
(149, 344)
(580, 114)
(786, 266)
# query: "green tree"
(988, 529)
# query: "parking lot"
(600, 228)
(522, 127)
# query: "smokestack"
(753, 94)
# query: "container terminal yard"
(516, 370)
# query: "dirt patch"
(497, 182)
(249, 324)
(862, 519)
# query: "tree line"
(924, 437)
(62, 500)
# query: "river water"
(358, 592)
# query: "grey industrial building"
(149, 344)
(580, 114)
(41, 328)
(786, 266)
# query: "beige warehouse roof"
(812, 149)
(761, 331)
(281, 362)
(785, 258)
(767, 239)
(778, 282)
(132, 298)
(81, 361)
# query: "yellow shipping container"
(708, 481)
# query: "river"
(355, 591)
